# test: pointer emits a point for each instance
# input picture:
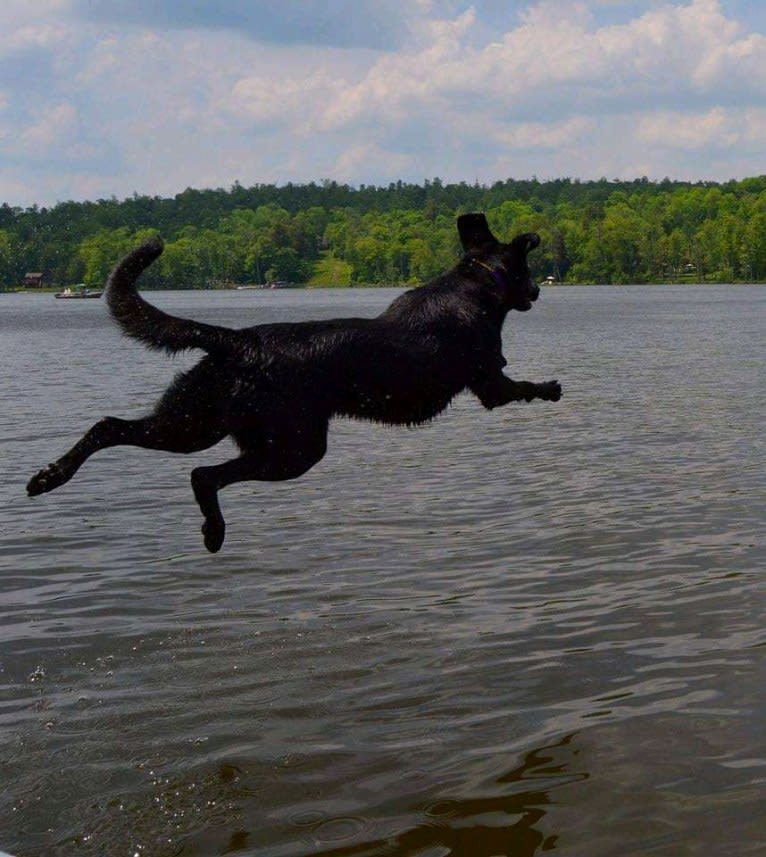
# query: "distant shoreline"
(50, 291)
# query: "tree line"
(334, 234)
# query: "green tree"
(9, 274)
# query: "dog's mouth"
(533, 293)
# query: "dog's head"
(507, 263)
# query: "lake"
(537, 629)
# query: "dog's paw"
(213, 533)
(550, 391)
(47, 479)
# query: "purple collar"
(498, 274)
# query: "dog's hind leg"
(190, 416)
(150, 433)
(273, 462)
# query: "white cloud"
(543, 84)
(38, 26)
(718, 127)
(289, 100)
(56, 126)
(551, 135)
(354, 160)
(558, 90)
(553, 64)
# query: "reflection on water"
(509, 823)
(536, 630)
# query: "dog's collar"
(498, 274)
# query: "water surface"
(539, 629)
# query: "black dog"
(274, 387)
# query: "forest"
(333, 234)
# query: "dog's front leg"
(500, 390)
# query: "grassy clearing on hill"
(330, 271)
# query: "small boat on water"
(276, 284)
(78, 292)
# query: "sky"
(102, 98)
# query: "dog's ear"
(526, 242)
(474, 233)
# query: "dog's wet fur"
(273, 388)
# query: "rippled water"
(534, 630)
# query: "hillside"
(600, 231)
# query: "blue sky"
(112, 97)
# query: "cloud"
(719, 128)
(56, 126)
(105, 98)
(541, 135)
(265, 101)
(545, 83)
(355, 159)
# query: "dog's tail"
(144, 322)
